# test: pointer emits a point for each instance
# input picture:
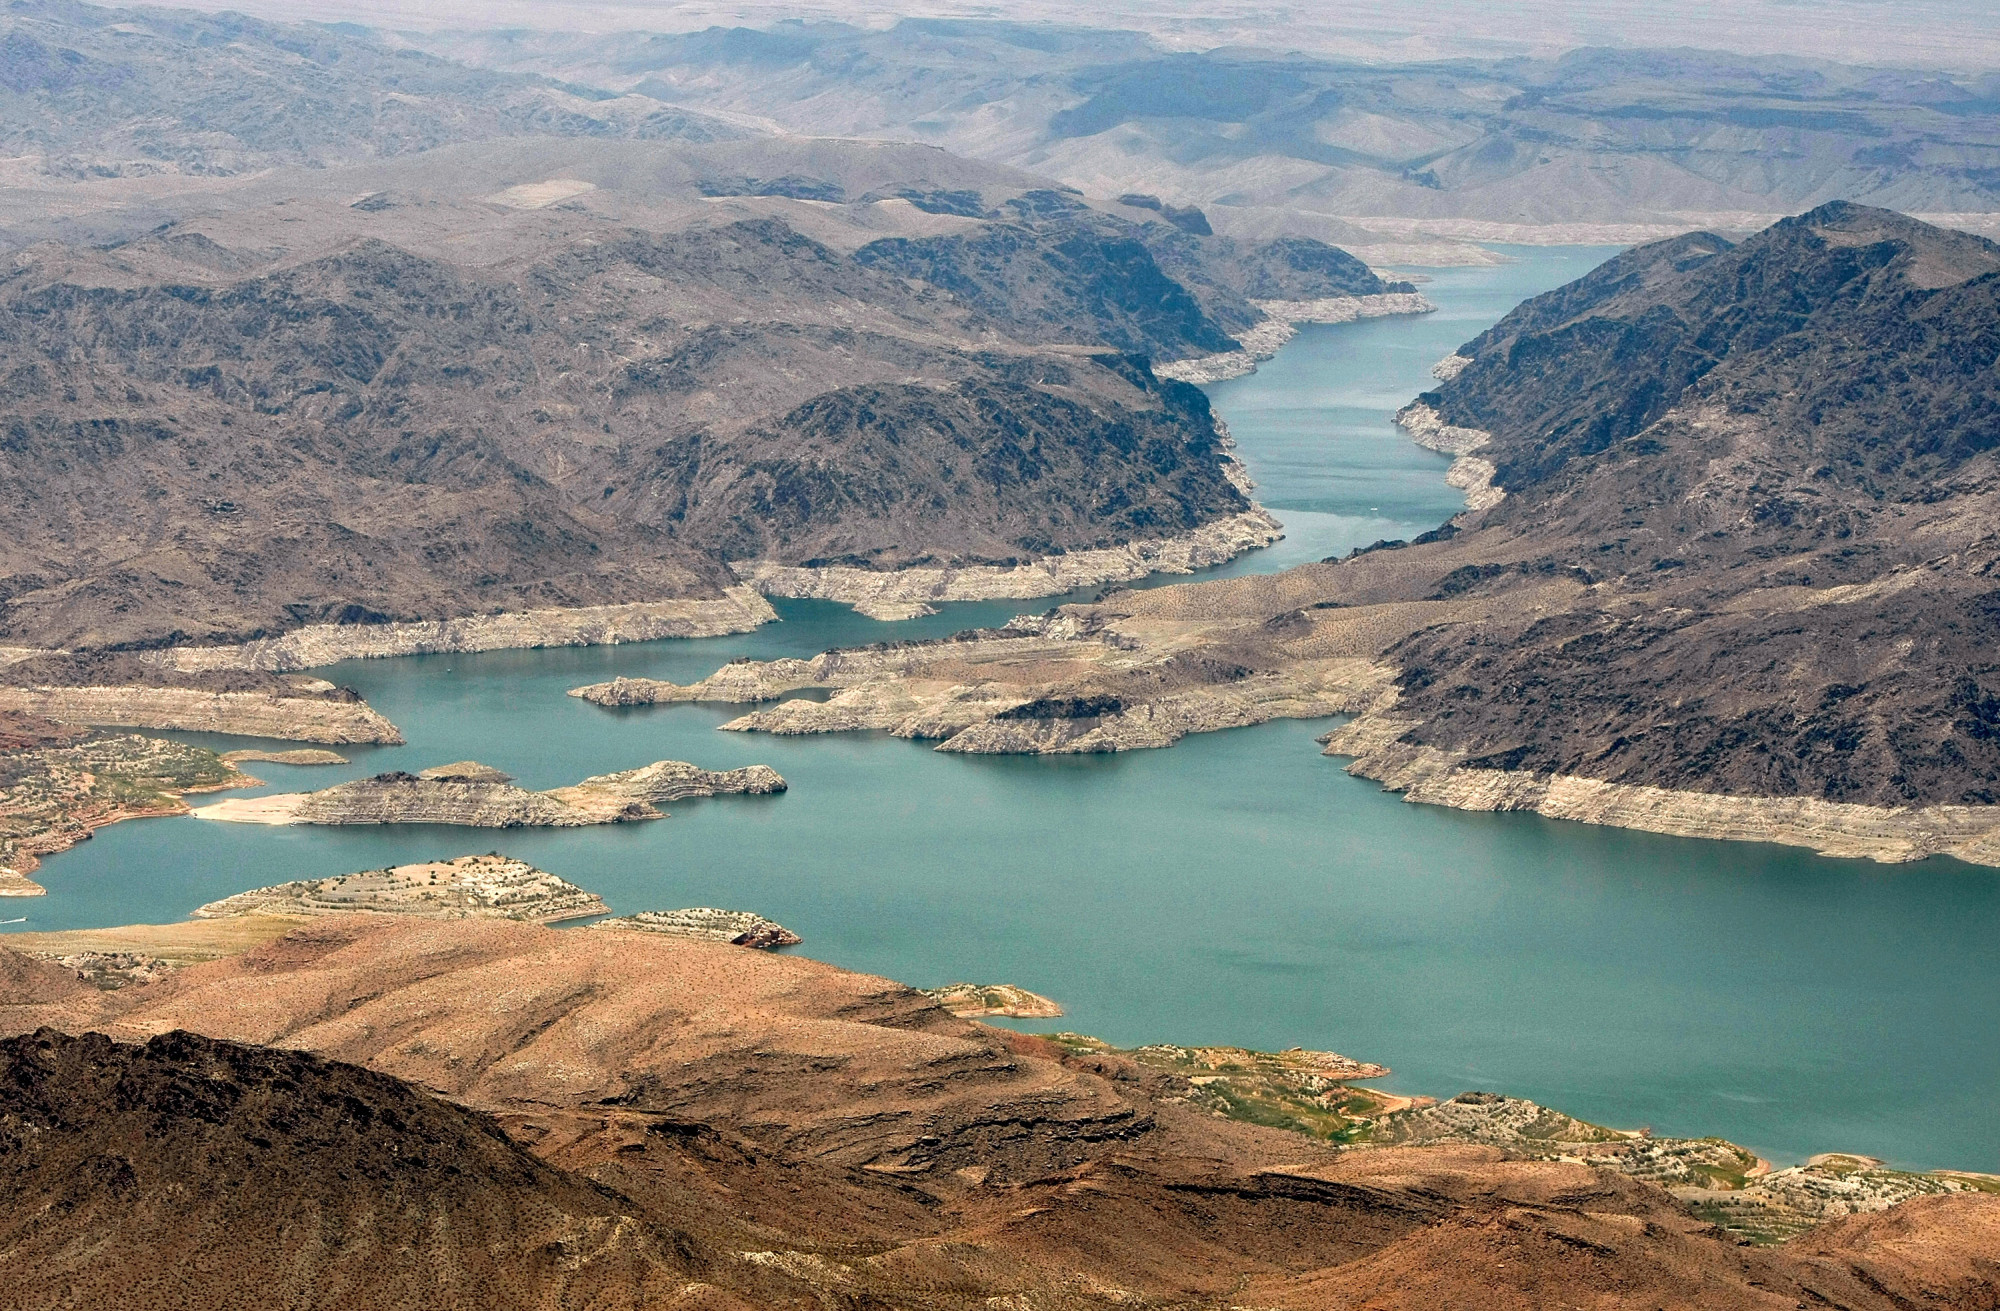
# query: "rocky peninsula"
(739, 928)
(971, 1001)
(59, 782)
(478, 796)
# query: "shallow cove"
(1238, 888)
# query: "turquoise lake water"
(1238, 888)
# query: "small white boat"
(22, 920)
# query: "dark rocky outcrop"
(188, 1170)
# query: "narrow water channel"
(1238, 888)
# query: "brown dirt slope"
(816, 1136)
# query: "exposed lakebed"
(1239, 888)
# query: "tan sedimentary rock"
(249, 714)
(609, 797)
(973, 1000)
(1262, 340)
(471, 796)
(478, 887)
(905, 593)
(1889, 834)
(1469, 473)
(302, 756)
(739, 928)
(738, 610)
(1450, 367)
(466, 771)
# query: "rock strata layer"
(473, 796)
(247, 714)
(739, 928)
(1892, 834)
(491, 887)
(738, 610)
(907, 593)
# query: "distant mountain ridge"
(94, 93)
(1268, 141)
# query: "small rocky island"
(473, 795)
(708, 924)
(492, 886)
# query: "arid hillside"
(660, 1122)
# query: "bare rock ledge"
(739, 928)
(737, 610)
(247, 714)
(891, 594)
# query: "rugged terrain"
(292, 426)
(1728, 572)
(695, 1125)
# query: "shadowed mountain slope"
(186, 1170)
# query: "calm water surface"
(1238, 888)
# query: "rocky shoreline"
(1470, 473)
(61, 783)
(1281, 323)
(738, 610)
(878, 1082)
(1896, 835)
(908, 593)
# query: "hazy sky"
(1960, 34)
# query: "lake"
(1238, 888)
